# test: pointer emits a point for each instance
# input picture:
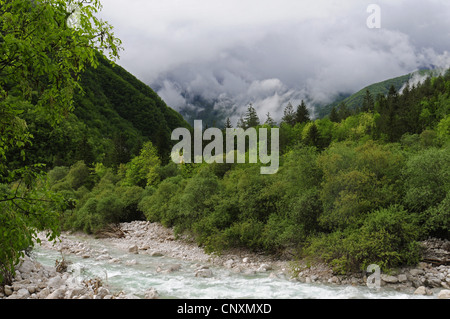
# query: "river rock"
(334, 280)
(433, 282)
(444, 294)
(8, 290)
(76, 292)
(173, 268)
(131, 262)
(156, 254)
(101, 293)
(229, 263)
(420, 291)
(264, 268)
(389, 279)
(27, 265)
(134, 249)
(57, 294)
(415, 272)
(32, 289)
(151, 294)
(204, 273)
(23, 293)
(423, 291)
(43, 293)
(55, 282)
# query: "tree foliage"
(41, 60)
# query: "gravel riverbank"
(35, 281)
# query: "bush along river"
(146, 262)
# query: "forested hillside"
(357, 99)
(113, 117)
(362, 188)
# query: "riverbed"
(137, 263)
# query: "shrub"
(387, 237)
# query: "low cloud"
(271, 52)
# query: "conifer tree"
(313, 136)
(334, 116)
(251, 118)
(270, 121)
(302, 114)
(289, 115)
(343, 111)
(241, 123)
(368, 102)
(228, 123)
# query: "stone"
(156, 254)
(131, 262)
(204, 273)
(102, 292)
(55, 282)
(133, 249)
(444, 294)
(71, 294)
(433, 282)
(57, 294)
(389, 279)
(32, 289)
(229, 263)
(43, 293)
(402, 278)
(114, 261)
(273, 275)
(416, 272)
(27, 266)
(175, 267)
(23, 293)
(151, 294)
(264, 268)
(8, 290)
(420, 291)
(246, 260)
(333, 280)
(103, 257)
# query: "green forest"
(362, 189)
(84, 145)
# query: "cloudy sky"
(269, 52)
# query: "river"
(144, 271)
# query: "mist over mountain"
(211, 59)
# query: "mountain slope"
(112, 119)
(355, 100)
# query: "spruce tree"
(368, 102)
(313, 136)
(228, 123)
(343, 111)
(270, 121)
(241, 123)
(289, 115)
(334, 116)
(302, 114)
(251, 118)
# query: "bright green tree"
(41, 59)
(143, 169)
